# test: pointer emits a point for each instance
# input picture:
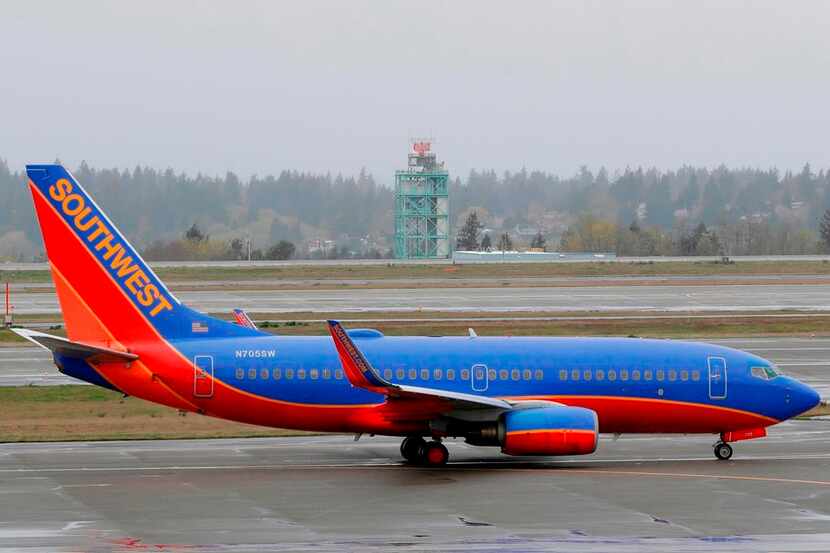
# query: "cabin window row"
(288, 374)
(389, 374)
(660, 375)
(464, 374)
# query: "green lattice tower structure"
(422, 207)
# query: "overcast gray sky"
(256, 87)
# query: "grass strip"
(476, 270)
(75, 412)
(560, 324)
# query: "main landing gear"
(723, 451)
(418, 451)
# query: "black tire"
(411, 448)
(434, 454)
(723, 451)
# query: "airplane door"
(478, 378)
(717, 378)
(203, 376)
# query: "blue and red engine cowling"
(556, 430)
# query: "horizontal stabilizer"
(75, 350)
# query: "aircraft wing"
(75, 350)
(361, 374)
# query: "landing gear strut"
(418, 451)
(723, 451)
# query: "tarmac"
(622, 297)
(329, 493)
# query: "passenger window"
(277, 374)
(612, 375)
(491, 374)
(413, 374)
(526, 374)
(660, 374)
(539, 374)
(289, 373)
(647, 374)
(635, 375)
(338, 374)
(450, 374)
(695, 375)
(563, 374)
(684, 375)
(623, 374)
(436, 374)
(514, 374)
(314, 374)
(575, 374)
(424, 374)
(586, 374)
(301, 374)
(387, 374)
(252, 374)
(503, 374)
(672, 375)
(399, 373)
(240, 373)
(465, 374)
(600, 374)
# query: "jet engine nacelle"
(549, 431)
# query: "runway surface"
(738, 297)
(638, 494)
(807, 359)
(328, 493)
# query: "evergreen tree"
(237, 248)
(824, 229)
(281, 250)
(486, 243)
(505, 243)
(195, 234)
(538, 241)
(468, 235)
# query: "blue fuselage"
(306, 370)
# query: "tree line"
(637, 211)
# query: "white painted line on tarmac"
(492, 464)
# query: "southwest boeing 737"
(527, 396)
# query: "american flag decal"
(198, 327)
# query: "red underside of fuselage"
(165, 376)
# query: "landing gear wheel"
(723, 451)
(434, 454)
(411, 448)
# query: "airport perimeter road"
(597, 298)
(807, 359)
(638, 494)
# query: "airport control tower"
(422, 206)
